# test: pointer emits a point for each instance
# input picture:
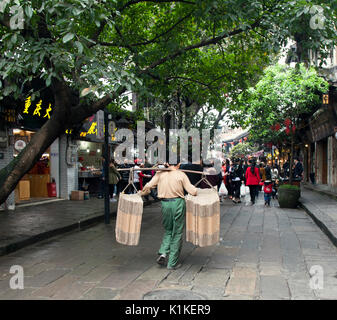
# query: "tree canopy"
(282, 93)
(242, 150)
(87, 53)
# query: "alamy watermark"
(317, 277)
(317, 20)
(17, 280)
(156, 151)
(16, 20)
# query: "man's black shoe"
(161, 260)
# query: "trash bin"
(51, 187)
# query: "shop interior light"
(98, 150)
(88, 150)
(306, 146)
(84, 144)
(15, 131)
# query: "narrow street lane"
(264, 253)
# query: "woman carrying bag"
(114, 177)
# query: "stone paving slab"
(28, 225)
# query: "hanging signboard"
(100, 124)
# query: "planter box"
(288, 198)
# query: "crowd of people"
(234, 174)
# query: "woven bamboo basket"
(129, 219)
(203, 218)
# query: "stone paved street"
(264, 253)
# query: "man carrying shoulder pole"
(171, 184)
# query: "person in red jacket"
(142, 176)
(252, 180)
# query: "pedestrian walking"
(262, 171)
(124, 177)
(193, 166)
(211, 176)
(114, 177)
(171, 185)
(297, 169)
(267, 189)
(226, 178)
(252, 180)
(286, 169)
(236, 177)
(230, 181)
(145, 178)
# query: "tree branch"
(146, 42)
(132, 2)
(188, 79)
(81, 112)
(97, 34)
(196, 46)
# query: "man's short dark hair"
(174, 162)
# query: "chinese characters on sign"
(37, 108)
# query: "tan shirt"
(171, 184)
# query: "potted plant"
(288, 196)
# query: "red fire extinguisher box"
(51, 187)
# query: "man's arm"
(190, 188)
(151, 184)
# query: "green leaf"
(29, 11)
(79, 46)
(68, 37)
(48, 81)
(14, 38)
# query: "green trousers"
(173, 221)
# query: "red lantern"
(225, 144)
(287, 122)
(287, 130)
(232, 143)
(294, 128)
(245, 138)
(240, 140)
(277, 127)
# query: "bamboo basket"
(129, 219)
(203, 218)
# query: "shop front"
(37, 184)
(90, 164)
(322, 151)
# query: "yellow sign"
(325, 99)
(37, 111)
(47, 112)
(93, 128)
(27, 104)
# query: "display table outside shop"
(90, 181)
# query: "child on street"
(267, 189)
